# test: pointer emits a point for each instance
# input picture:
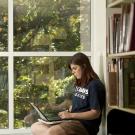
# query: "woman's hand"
(65, 114)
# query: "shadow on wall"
(102, 130)
(101, 71)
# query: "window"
(46, 80)
(51, 25)
(4, 92)
(3, 26)
(43, 34)
(4, 65)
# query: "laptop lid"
(44, 116)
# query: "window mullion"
(48, 53)
(10, 25)
(10, 85)
(10, 63)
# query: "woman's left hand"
(65, 115)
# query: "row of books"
(121, 30)
(121, 78)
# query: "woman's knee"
(34, 127)
(39, 128)
(55, 130)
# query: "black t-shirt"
(90, 97)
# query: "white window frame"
(96, 40)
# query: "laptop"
(49, 120)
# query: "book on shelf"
(121, 30)
(132, 44)
(129, 82)
(124, 26)
(132, 90)
(130, 28)
(120, 81)
(113, 83)
(118, 34)
(113, 33)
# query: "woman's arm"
(88, 115)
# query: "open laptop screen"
(45, 117)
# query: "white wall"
(99, 37)
(99, 49)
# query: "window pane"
(3, 25)
(46, 81)
(3, 92)
(52, 25)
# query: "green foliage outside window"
(46, 25)
(29, 87)
(3, 27)
(3, 92)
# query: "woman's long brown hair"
(88, 73)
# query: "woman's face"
(76, 71)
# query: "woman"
(87, 103)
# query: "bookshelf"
(122, 55)
(120, 61)
(129, 110)
(117, 3)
